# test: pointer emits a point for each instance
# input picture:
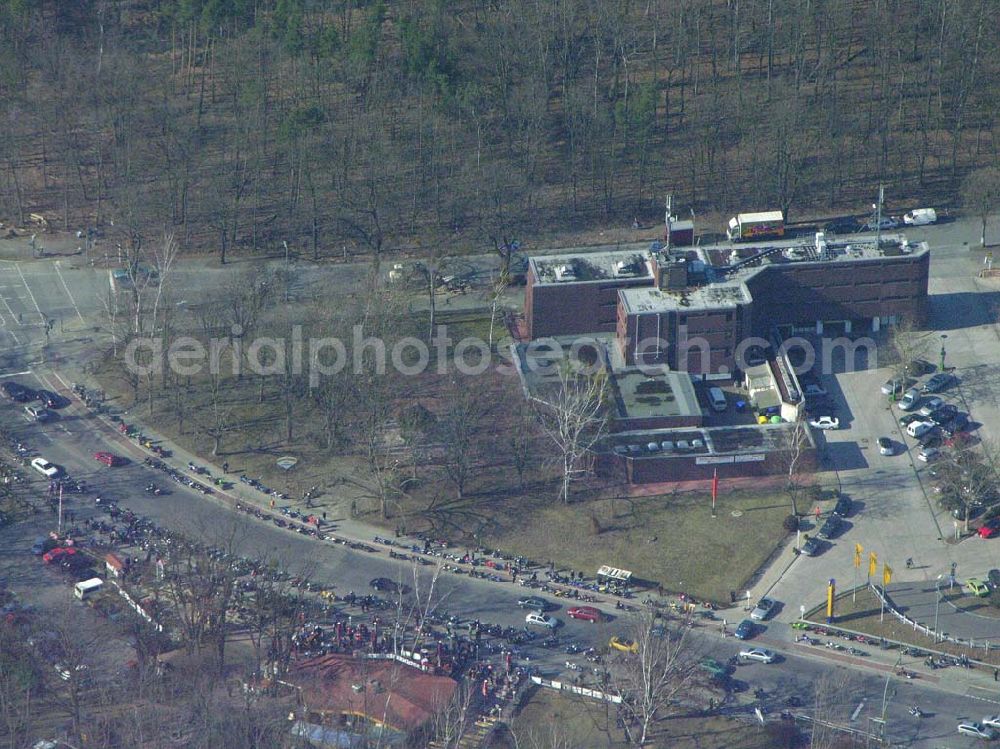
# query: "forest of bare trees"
(366, 126)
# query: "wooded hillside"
(350, 126)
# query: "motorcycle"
(916, 712)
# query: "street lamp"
(937, 605)
(943, 336)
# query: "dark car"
(811, 547)
(18, 392)
(919, 367)
(384, 584)
(945, 414)
(831, 528)
(841, 226)
(907, 419)
(533, 602)
(745, 630)
(937, 383)
(959, 423)
(993, 578)
(50, 399)
(843, 506)
(930, 440)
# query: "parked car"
(831, 528)
(538, 619)
(958, 424)
(813, 388)
(843, 507)
(918, 429)
(745, 630)
(18, 392)
(886, 222)
(811, 547)
(989, 528)
(109, 459)
(37, 412)
(919, 367)
(762, 655)
(897, 385)
(763, 609)
(920, 217)
(584, 613)
(927, 454)
(993, 721)
(945, 414)
(825, 422)
(910, 400)
(533, 602)
(931, 405)
(937, 383)
(49, 470)
(906, 419)
(885, 446)
(841, 226)
(623, 644)
(977, 587)
(50, 399)
(971, 728)
(58, 553)
(384, 584)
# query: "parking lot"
(895, 513)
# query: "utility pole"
(878, 216)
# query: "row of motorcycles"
(176, 476)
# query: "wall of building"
(575, 308)
(661, 470)
(801, 294)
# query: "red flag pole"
(715, 489)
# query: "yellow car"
(623, 644)
(977, 587)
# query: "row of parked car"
(37, 402)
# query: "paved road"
(886, 489)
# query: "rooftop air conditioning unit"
(565, 273)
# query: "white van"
(87, 588)
(910, 400)
(920, 217)
(918, 429)
(718, 399)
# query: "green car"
(977, 587)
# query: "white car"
(45, 468)
(825, 422)
(541, 620)
(885, 446)
(970, 728)
(991, 721)
(757, 654)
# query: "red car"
(108, 459)
(57, 553)
(990, 528)
(587, 613)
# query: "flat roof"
(708, 441)
(654, 391)
(727, 294)
(621, 265)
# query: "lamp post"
(943, 336)
(937, 605)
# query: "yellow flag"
(886, 574)
(858, 551)
(872, 563)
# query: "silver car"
(763, 609)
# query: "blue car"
(745, 630)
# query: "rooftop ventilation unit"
(565, 273)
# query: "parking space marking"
(28, 289)
(15, 374)
(68, 292)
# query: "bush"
(791, 523)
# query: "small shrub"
(791, 523)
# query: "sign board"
(287, 462)
(723, 459)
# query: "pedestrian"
(996, 674)
(324, 516)
(271, 504)
(225, 467)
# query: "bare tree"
(981, 196)
(572, 413)
(797, 444)
(652, 679)
(908, 344)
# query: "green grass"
(692, 552)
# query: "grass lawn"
(580, 724)
(668, 539)
(863, 616)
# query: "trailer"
(747, 226)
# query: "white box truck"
(920, 217)
(747, 226)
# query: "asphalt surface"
(70, 293)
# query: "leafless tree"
(908, 344)
(572, 413)
(981, 196)
(798, 443)
(652, 680)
